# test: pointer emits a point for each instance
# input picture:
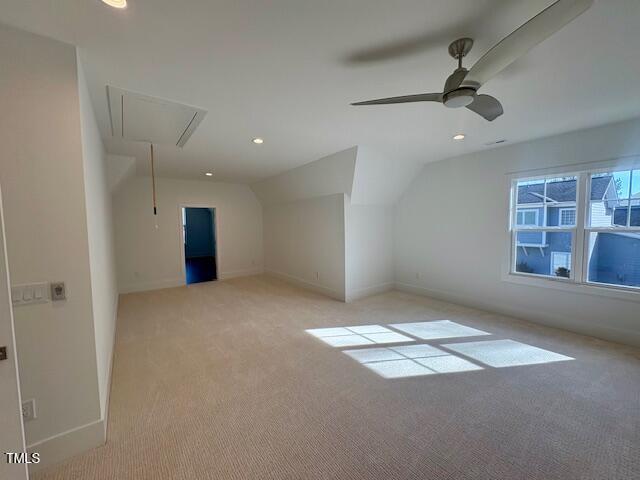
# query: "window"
(527, 217)
(567, 216)
(613, 230)
(581, 228)
(533, 242)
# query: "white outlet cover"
(29, 410)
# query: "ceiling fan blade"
(486, 106)
(422, 97)
(519, 42)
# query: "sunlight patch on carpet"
(437, 329)
(410, 361)
(358, 335)
(506, 353)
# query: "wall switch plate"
(58, 291)
(30, 293)
(29, 410)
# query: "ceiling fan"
(460, 89)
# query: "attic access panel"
(142, 118)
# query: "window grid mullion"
(544, 229)
(629, 198)
(545, 220)
(583, 197)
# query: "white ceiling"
(286, 70)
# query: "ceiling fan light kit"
(461, 97)
(461, 88)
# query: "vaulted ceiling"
(286, 70)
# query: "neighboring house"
(549, 253)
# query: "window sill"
(567, 285)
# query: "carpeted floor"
(221, 381)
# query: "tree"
(619, 187)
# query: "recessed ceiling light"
(258, 141)
(209, 174)
(459, 136)
(116, 3)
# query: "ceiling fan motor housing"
(460, 97)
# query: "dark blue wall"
(199, 231)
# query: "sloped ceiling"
(286, 70)
(380, 179)
(326, 176)
(365, 175)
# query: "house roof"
(599, 186)
(561, 191)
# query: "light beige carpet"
(220, 381)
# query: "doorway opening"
(199, 244)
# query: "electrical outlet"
(29, 410)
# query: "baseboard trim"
(157, 285)
(180, 282)
(307, 285)
(369, 291)
(240, 273)
(625, 337)
(64, 445)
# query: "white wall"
(104, 289)
(320, 234)
(41, 173)
(149, 258)
(451, 229)
(304, 242)
(119, 168)
(369, 250)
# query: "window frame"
(578, 281)
(567, 209)
(588, 229)
(524, 212)
(514, 228)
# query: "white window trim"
(578, 282)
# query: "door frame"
(14, 430)
(216, 221)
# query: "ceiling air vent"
(142, 118)
(495, 142)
